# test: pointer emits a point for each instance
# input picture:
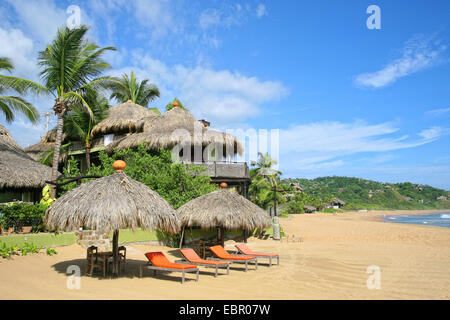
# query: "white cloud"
(438, 112)
(220, 96)
(317, 148)
(19, 48)
(208, 18)
(261, 10)
(433, 133)
(418, 54)
(42, 18)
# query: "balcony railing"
(223, 169)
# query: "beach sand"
(330, 262)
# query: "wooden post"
(115, 270)
(182, 238)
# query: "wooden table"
(104, 256)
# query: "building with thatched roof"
(129, 124)
(178, 127)
(47, 142)
(21, 177)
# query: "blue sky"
(347, 100)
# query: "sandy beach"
(330, 262)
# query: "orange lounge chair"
(222, 254)
(158, 261)
(245, 250)
(191, 257)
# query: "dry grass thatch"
(36, 150)
(223, 208)
(125, 117)
(112, 203)
(177, 127)
(17, 169)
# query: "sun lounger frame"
(239, 252)
(207, 265)
(254, 260)
(148, 265)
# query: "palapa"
(112, 203)
(17, 169)
(225, 209)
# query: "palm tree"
(129, 88)
(70, 64)
(174, 103)
(265, 181)
(11, 104)
(78, 123)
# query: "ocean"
(437, 219)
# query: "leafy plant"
(21, 214)
(51, 252)
(154, 169)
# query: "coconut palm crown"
(128, 88)
(70, 65)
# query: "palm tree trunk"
(56, 152)
(88, 156)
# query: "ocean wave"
(445, 216)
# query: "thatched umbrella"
(112, 203)
(224, 209)
(126, 117)
(17, 169)
(177, 127)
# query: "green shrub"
(18, 214)
(295, 207)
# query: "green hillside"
(366, 194)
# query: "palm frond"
(10, 104)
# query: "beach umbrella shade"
(112, 203)
(224, 209)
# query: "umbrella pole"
(116, 253)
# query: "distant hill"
(367, 194)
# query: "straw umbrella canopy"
(176, 127)
(17, 169)
(112, 203)
(125, 117)
(225, 209)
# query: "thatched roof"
(125, 117)
(17, 169)
(111, 203)
(48, 141)
(223, 208)
(176, 127)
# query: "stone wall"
(87, 238)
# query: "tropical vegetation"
(10, 105)
(367, 194)
(154, 169)
(129, 88)
(71, 65)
